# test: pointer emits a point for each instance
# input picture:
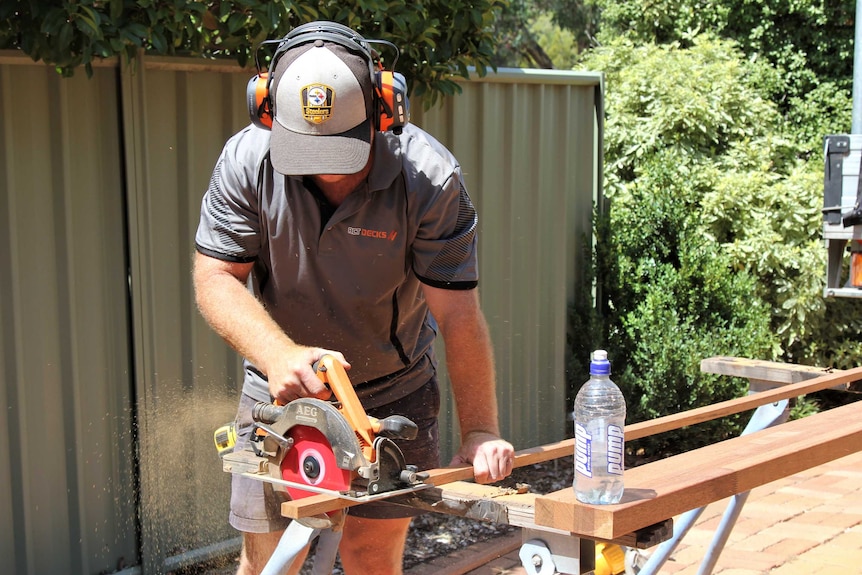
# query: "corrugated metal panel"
(87, 326)
(176, 123)
(527, 141)
(67, 503)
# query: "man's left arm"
(470, 363)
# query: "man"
(356, 243)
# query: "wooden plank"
(774, 371)
(318, 504)
(481, 502)
(769, 374)
(508, 506)
(691, 480)
(740, 404)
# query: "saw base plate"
(355, 496)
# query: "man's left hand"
(491, 456)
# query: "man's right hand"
(235, 314)
(291, 375)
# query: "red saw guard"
(311, 461)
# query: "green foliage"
(579, 18)
(587, 327)
(688, 283)
(517, 45)
(808, 45)
(436, 39)
(559, 44)
(677, 300)
(544, 33)
(825, 109)
(765, 211)
(714, 171)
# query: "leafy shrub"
(713, 223)
(807, 44)
(436, 39)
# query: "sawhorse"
(655, 492)
(543, 555)
(295, 538)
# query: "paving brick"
(849, 462)
(829, 518)
(790, 548)
(699, 536)
(802, 567)
(848, 540)
(815, 495)
(842, 507)
(806, 524)
(853, 499)
(687, 570)
(758, 542)
(849, 473)
(799, 530)
(825, 482)
(753, 560)
(671, 568)
(846, 559)
(781, 510)
(688, 555)
(713, 510)
(778, 498)
(709, 524)
(748, 525)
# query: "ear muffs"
(257, 96)
(391, 105)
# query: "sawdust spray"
(184, 493)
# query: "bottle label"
(583, 451)
(616, 442)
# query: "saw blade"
(311, 461)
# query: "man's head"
(322, 98)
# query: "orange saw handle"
(330, 371)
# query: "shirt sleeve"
(229, 227)
(445, 248)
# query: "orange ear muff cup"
(259, 104)
(394, 108)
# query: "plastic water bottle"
(600, 415)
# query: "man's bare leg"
(373, 545)
(257, 548)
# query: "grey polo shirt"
(348, 279)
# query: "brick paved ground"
(806, 524)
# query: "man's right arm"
(242, 321)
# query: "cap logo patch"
(317, 100)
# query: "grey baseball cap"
(322, 104)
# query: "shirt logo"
(317, 101)
(376, 234)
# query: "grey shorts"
(255, 507)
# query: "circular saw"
(313, 446)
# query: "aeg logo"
(377, 234)
(307, 410)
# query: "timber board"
(318, 504)
(764, 374)
(671, 486)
